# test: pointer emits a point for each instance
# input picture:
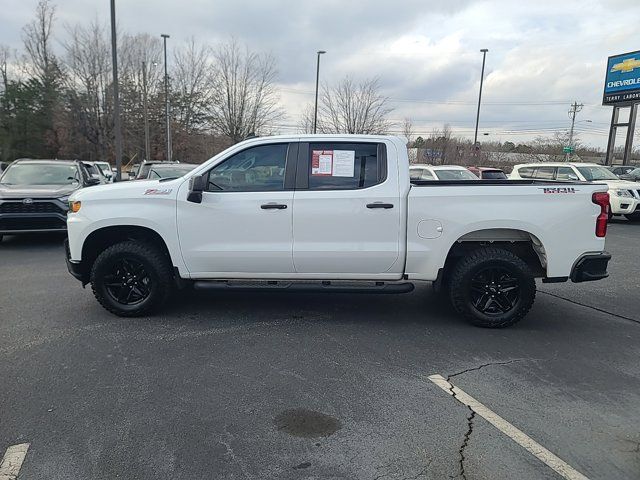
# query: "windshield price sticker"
(335, 163)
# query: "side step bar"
(325, 286)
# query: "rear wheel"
(131, 278)
(492, 288)
(633, 217)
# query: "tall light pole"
(484, 56)
(147, 146)
(315, 107)
(166, 97)
(116, 94)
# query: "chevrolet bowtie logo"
(626, 66)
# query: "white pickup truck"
(334, 213)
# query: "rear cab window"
(341, 166)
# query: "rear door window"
(545, 173)
(526, 172)
(345, 166)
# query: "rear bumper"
(591, 267)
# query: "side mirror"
(196, 187)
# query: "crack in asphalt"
(597, 309)
(490, 364)
(472, 414)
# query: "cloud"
(542, 55)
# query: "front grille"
(32, 223)
(35, 207)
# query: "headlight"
(622, 193)
(64, 199)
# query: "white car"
(624, 195)
(334, 213)
(440, 172)
(106, 170)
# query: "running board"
(325, 286)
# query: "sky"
(543, 55)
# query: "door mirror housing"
(196, 187)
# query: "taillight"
(601, 199)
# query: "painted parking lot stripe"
(518, 436)
(12, 461)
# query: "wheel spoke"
(503, 302)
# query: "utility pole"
(484, 57)
(315, 107)
(116, 94)
(166, 97)
(575, 108)
(147, 146)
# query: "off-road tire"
(156, 265)
(482, 259)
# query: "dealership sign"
(622, 82)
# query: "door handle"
(273, 206)
(380, 205)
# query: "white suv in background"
(440, 172)
(624, 195)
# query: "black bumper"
(591, 267)
(75, 268)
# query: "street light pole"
(315, 107)
(166, 97)
(147, 146)
(116, 94)
(484, 56)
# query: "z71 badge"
(157, 191)
(558, 190)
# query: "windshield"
(103, 166)
(597, 173)
(170, 172)
(455, 174)
(40, 174)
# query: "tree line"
(58, 102)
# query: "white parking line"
(521, 438)
(12, 461)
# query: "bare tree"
(88, 64)
(305, 124)
(5, 55)
(37, 38)
(407, 131)
(191, 81)
(245, 100)
(354, 108)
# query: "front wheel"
(131, 278)
(492, 288)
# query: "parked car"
(96, 172)
(440, 172)
(632, 176)
(334, 213)
(106, 170)
(488, 173)
(620, 170)
(176, 170)
(624, 195)
(34, 194)
(145, 168)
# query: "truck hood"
(36, 191)
(129, 189)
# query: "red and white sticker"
(335, 163)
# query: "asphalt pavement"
(234, 385)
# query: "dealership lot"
(281, 385)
